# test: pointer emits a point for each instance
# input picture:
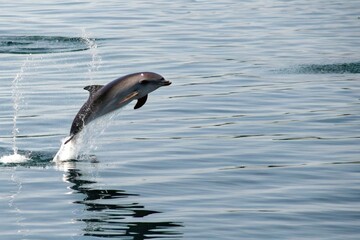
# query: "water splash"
(14, 158)
(80, 145)
(17, 98)
(96, 60)
(68, 150)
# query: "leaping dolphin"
(104, 99)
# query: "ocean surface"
(258, 137)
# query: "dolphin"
(104, 99)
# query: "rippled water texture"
(257, 137)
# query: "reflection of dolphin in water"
(112, 213)
(114, 95)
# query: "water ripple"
(339, 68)
(42, 44)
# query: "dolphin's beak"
(165, 83)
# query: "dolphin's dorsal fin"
(141, 102)
(93, 88)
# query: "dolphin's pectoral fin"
(93, 88)
(141, 102)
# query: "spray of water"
(85, 142)
(96, 60)
(80, 146)
(16, 97)
(16, 157)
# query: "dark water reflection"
(106, 215)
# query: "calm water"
(257, 138)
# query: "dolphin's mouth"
(165, 83)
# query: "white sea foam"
(13, 158)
